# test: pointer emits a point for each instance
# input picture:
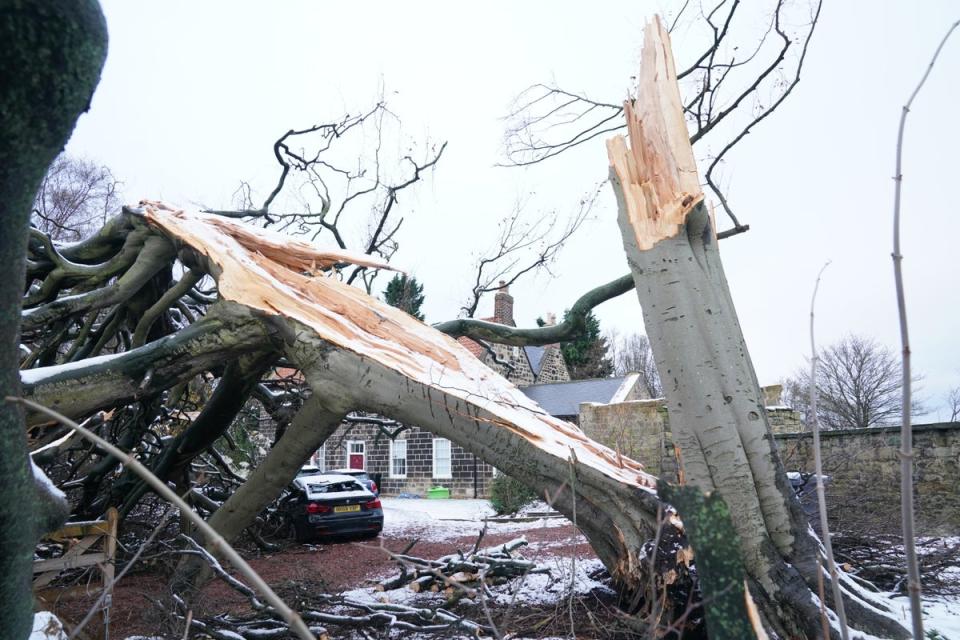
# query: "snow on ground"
(440, 520)
(47, 626)
(941, 614)
(444, 520)
(551, 588)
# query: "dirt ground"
(297, 571)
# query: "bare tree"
(631, 353)
(858, 385)
(953, 403)
(75, 197)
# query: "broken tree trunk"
(717, 414)
(357, 351)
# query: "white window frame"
(449, 473)
(320, 457)
(392, 471)
(363, 452)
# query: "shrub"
(508, 495)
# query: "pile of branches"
(320, 610)
(462, 574)
(878, 560)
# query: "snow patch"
(47, 626)
(41, 478)
(441, 520)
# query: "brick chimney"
(503, 306)
(551, 322)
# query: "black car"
(331, 504)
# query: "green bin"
(438, 493)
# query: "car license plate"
(347, 508)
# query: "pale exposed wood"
(272, 282)
(658, 172)
(290, 252)
(80, 529)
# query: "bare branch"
(569, 329)
(523, 247)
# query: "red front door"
(357, 454)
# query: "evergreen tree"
(587, 356)
(405, 293)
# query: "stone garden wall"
(864, 488)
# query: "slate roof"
(535, 358)
(564, 398)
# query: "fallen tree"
(279, 300)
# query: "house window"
(398, 458)
(441, 458)
(320, 458)
(356, 454)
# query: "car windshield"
(334, 487)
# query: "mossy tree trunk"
(51, 53)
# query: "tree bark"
(78, 389)
(717, 414)
(319, 417)
(51, 53)
(616, 504)
(239, 378)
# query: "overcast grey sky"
(195, 93)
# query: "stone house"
(415, 460)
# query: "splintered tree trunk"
(716, 408)
(357, 352)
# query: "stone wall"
(519, 372)
(637, 429)
(864, 470)
(553, 368)
(864, 488)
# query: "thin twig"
(818, 469)
(214, 539)
(906, 434)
